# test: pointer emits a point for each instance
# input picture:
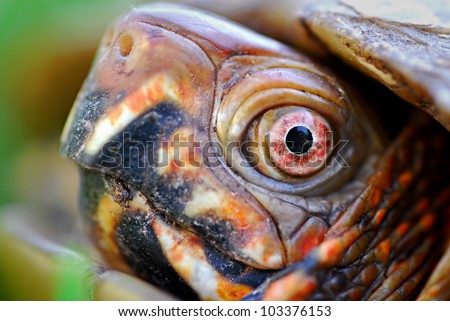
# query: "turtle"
(220, 163)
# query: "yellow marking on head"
(108, 214)
(179, 153)
(154, 91)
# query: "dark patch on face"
(140, 247)
(135, 163)
(90, 108)
(233, 270)
(217, 232)
(132, 156)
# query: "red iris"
(300, 142)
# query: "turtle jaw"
(136, 238)
(179, 185)
(150, 89)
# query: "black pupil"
(299, 140)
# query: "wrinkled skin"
(367, 223)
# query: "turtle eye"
(294, 141)
(298, 142)
(296, 130)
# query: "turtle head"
(207, 147)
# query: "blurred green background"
(46, 48)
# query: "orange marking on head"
(376, 196)
(158, 91)
(156, 228)
(181, 155)
(229, 291)
(115, 114)
(379, 216)
(309, 243)
(406, 179)
(428, 221)
(329, 250)
(383, 250)
(295, 286)
(305, 242)
(137, 102)
(147, 96)
(169, 233)
(177, 257)
(402, 228)
(238, 213)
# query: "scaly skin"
(386, 242)
(213, 226)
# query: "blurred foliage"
(46, 50)
(47, 47)
(73, 278)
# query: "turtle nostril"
(125, 44)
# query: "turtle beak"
(151, 91)
(138, 66)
